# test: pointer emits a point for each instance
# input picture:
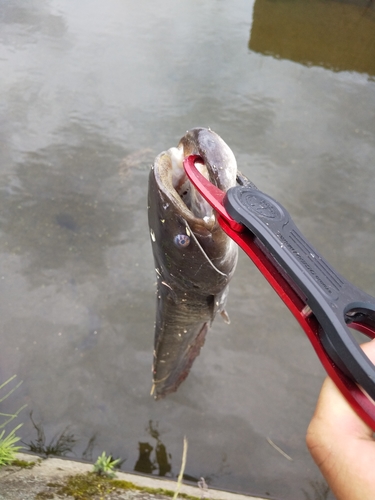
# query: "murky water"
(90, 92)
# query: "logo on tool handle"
(292, 241)
(262, 205)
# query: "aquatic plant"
(59, 446)
(104, 465)
(88, 451)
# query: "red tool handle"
(296, 302)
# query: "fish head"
(190, 249)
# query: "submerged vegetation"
(59, 446)
(8, 448)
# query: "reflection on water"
(335, 34)
(153, 458)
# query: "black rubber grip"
(334, 301)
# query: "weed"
(8, 449)
(9, 416)
(104, 465)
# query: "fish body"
(194, 258)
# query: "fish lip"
(163, 178)
(217, 155)
(220, 168)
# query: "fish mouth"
(219, 167)
(175, 184)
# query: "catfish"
(194, 258)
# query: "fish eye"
(182, 240)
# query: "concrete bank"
(45, 478)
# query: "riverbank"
(33, 478)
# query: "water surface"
(90, 93)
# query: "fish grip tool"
(324, 303)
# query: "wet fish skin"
(192, 281)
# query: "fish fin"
(225, 316)
(219, 305)
(242, 180)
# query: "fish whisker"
(201, 249)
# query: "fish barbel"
(194, 258)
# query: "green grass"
(8, 417)
(8, 448)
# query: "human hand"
(341, 444)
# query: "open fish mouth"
(192, 199)
(220, 168)
(194, 258)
